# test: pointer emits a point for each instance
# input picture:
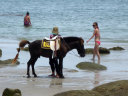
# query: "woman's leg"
(94, 53)
(97, 52)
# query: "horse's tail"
(21, 46)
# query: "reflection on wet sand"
(96, 78)
(56, 82)
(96, 75)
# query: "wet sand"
(15, 76)
(43, 85)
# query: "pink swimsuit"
(26, 22)
(98, 42)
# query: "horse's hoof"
(35, 76)
(28, 76)
(61, 76)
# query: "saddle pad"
(45, 44)
(50, 44)
(55, 43)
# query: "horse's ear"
(81, 40)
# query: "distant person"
(96, 34)
(27, 21)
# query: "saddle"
(53, 44)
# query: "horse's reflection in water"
(55, 82)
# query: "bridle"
(73, 53)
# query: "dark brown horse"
(67, 44)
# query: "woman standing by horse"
(96, 34)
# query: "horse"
(67, 44)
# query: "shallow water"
(73, 17)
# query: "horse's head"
(75, 43)
(80, 48)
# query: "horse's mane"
(70, 39)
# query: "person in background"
(96, 34)
(27, 21)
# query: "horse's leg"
(33, 63)
(51, 62)
(61, 67)
(28, 68)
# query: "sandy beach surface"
(15, 76)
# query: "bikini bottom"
(98, 42)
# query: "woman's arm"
(92, 36)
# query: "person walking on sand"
(27, 21)
(96, 34)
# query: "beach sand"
(15, 76)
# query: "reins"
(74, 54)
